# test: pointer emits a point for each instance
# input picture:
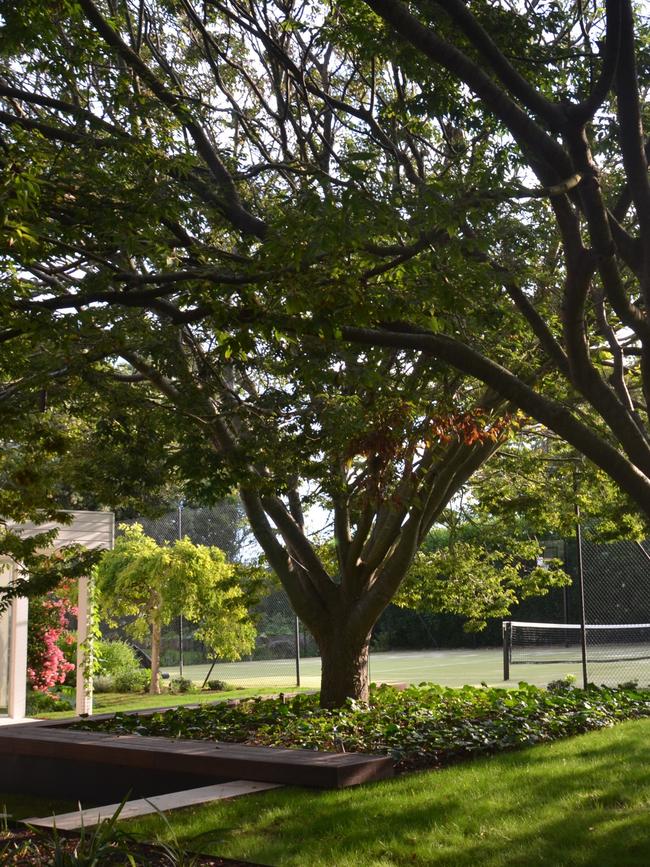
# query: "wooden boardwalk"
(38, 756)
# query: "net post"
(507, 635)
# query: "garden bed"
(25, 847)
(423, 726)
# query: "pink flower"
(49, 626)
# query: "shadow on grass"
(582, 801)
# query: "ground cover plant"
(578, 802)
(422, 726)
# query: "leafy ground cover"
(425, 726)
(580, 802)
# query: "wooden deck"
(55, 760)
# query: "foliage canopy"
(152, 584)
(277, 227)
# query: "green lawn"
(30, 806)
(115, 702)
(454, 667)
(580, 801)
(450, 667)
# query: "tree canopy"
(152, 584)
(267, 230)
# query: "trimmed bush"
(180, 684)
(218, 685)
(131, 680)
(104, 683)
(115, 656)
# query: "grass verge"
(16, 807)
(577, 802)
(114, 702)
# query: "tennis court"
(446, 667)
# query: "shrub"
(48, 634)
(131, 680)
(115, 656)
(104, 683)
(180, 684)
(44, 702)
(119, 670)
(218, 685)
(564, 683)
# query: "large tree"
(202, 203)
(572, 110)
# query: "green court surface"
(446, 667)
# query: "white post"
(17, 697)
(84, 697)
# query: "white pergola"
(92, 530)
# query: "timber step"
(38, 750)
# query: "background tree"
(154, 583)
(532, 488)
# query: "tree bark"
(344, 660)
(154, 686)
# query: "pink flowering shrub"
(49, 635)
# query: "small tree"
(155, 583)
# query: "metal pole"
(507, 632)
(297, 647)
(581, 584)
(565, 607)
(180, 617)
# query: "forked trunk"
(344, 663)
(154, 686)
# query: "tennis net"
(547, 643)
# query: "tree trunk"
(154, 687)
(344, 662)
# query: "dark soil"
(25, 848)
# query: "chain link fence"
(616, 580)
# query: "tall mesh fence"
(280, 644)
(616, 579)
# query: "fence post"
(507, 632)
(581, 583)
(297, 648)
